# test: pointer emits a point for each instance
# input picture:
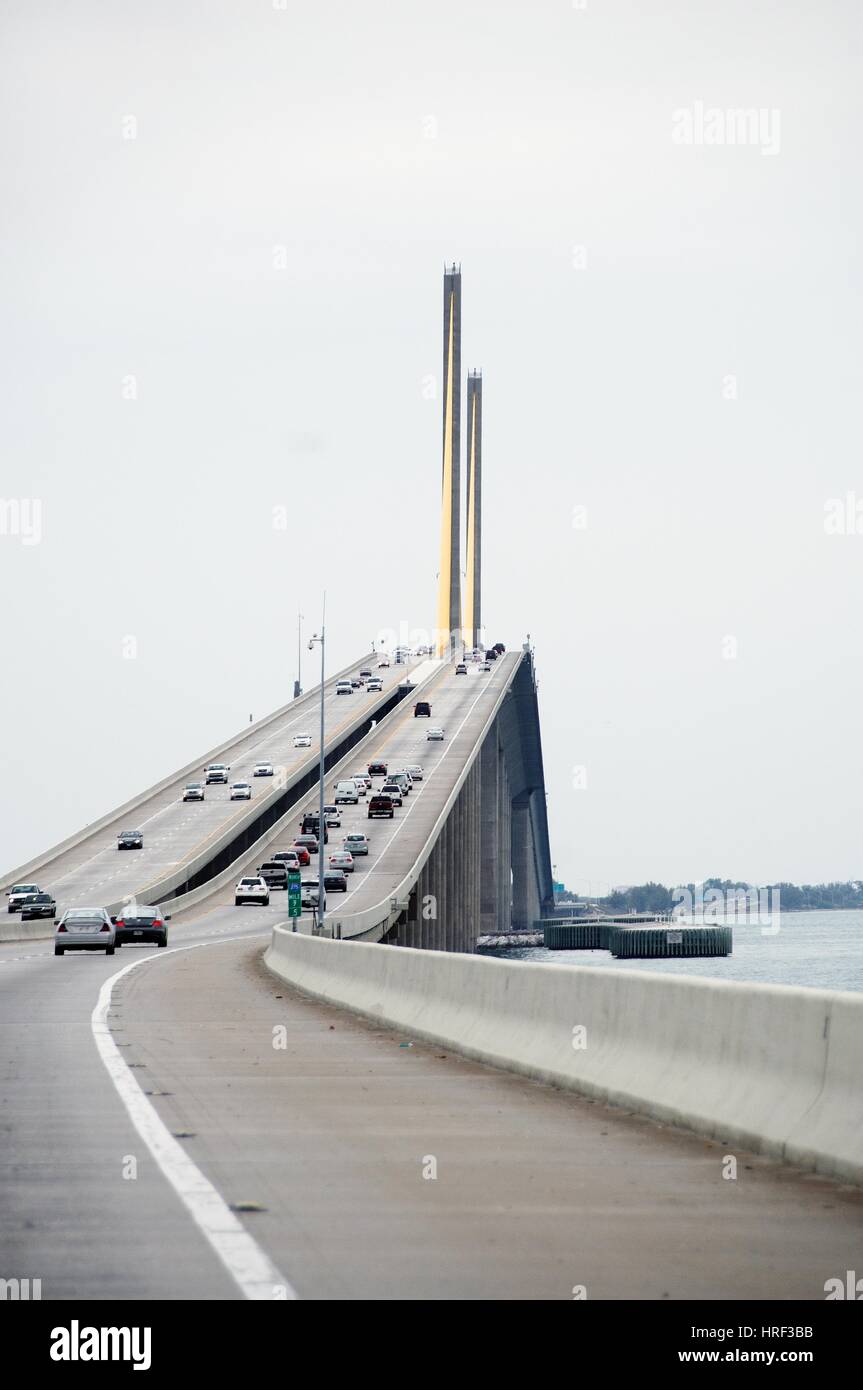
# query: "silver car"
(84, 929)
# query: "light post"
(320, 639)
(298, 683)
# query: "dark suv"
(422, 707)
(37, 905)
(309, 825)
(380, 805)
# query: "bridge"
(376, 1111)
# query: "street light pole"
(320, 638)
(298, 683)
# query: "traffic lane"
(401, 719)
(390, 1169)
(461, 705)
(177, 831)
(69, 1215)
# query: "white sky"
(374, 142)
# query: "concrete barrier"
(766, 1067)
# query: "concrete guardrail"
(770, 1068)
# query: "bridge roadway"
(460, 705)
(93, 871)
(537, 1190)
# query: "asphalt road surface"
(377, 1167)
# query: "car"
(130, 839)
(252, 888)
(347, 792)
(380, 805)
(384, 661)
(333, 816)
(365, 674)
(377, 769)
(37, 905)
(491, 654)
(274, 872)
(84, 929)
(302, 853)
(309, 826)
(422, 708)
(193, 791)
(401, 780)
(309, 892)
(361, 782)
(241, 791)
(374, 686)
(435, 733)
(415, 770)
(264, 770)
(394, 792)
(217, 772)
(335, 881)
(344, 688)
(342, 859)
(290, 858)
(499, 648)
(18, 893)
(356, 683)
(356, 844)
(142, 924)
(309, 842)
(485, 666)
(302, 740)
(461, 669)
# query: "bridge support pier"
(525, 893)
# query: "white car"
(384, 661)
(342, 859)
(347, 792)
(362, 783)
(264, 770)
(415, 771)
(19, 892)
(302, 740)
(344, 688)
(241, 791)
(217, 772)
(356, 844)
(375, 685)
(193, 791)
(252, 889)
(436, 734)
(332, 816)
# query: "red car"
(302, 854)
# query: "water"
(823, 950)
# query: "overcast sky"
(225, 224)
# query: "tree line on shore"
(655, 897)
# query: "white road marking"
(253, 1271)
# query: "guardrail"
(765, 1067)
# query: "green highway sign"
(295, 899)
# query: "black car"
(141, 924)
(377, 769)
(422, 707)
(130, 839)
(274, 873)
(37, 905)
(335, 881)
